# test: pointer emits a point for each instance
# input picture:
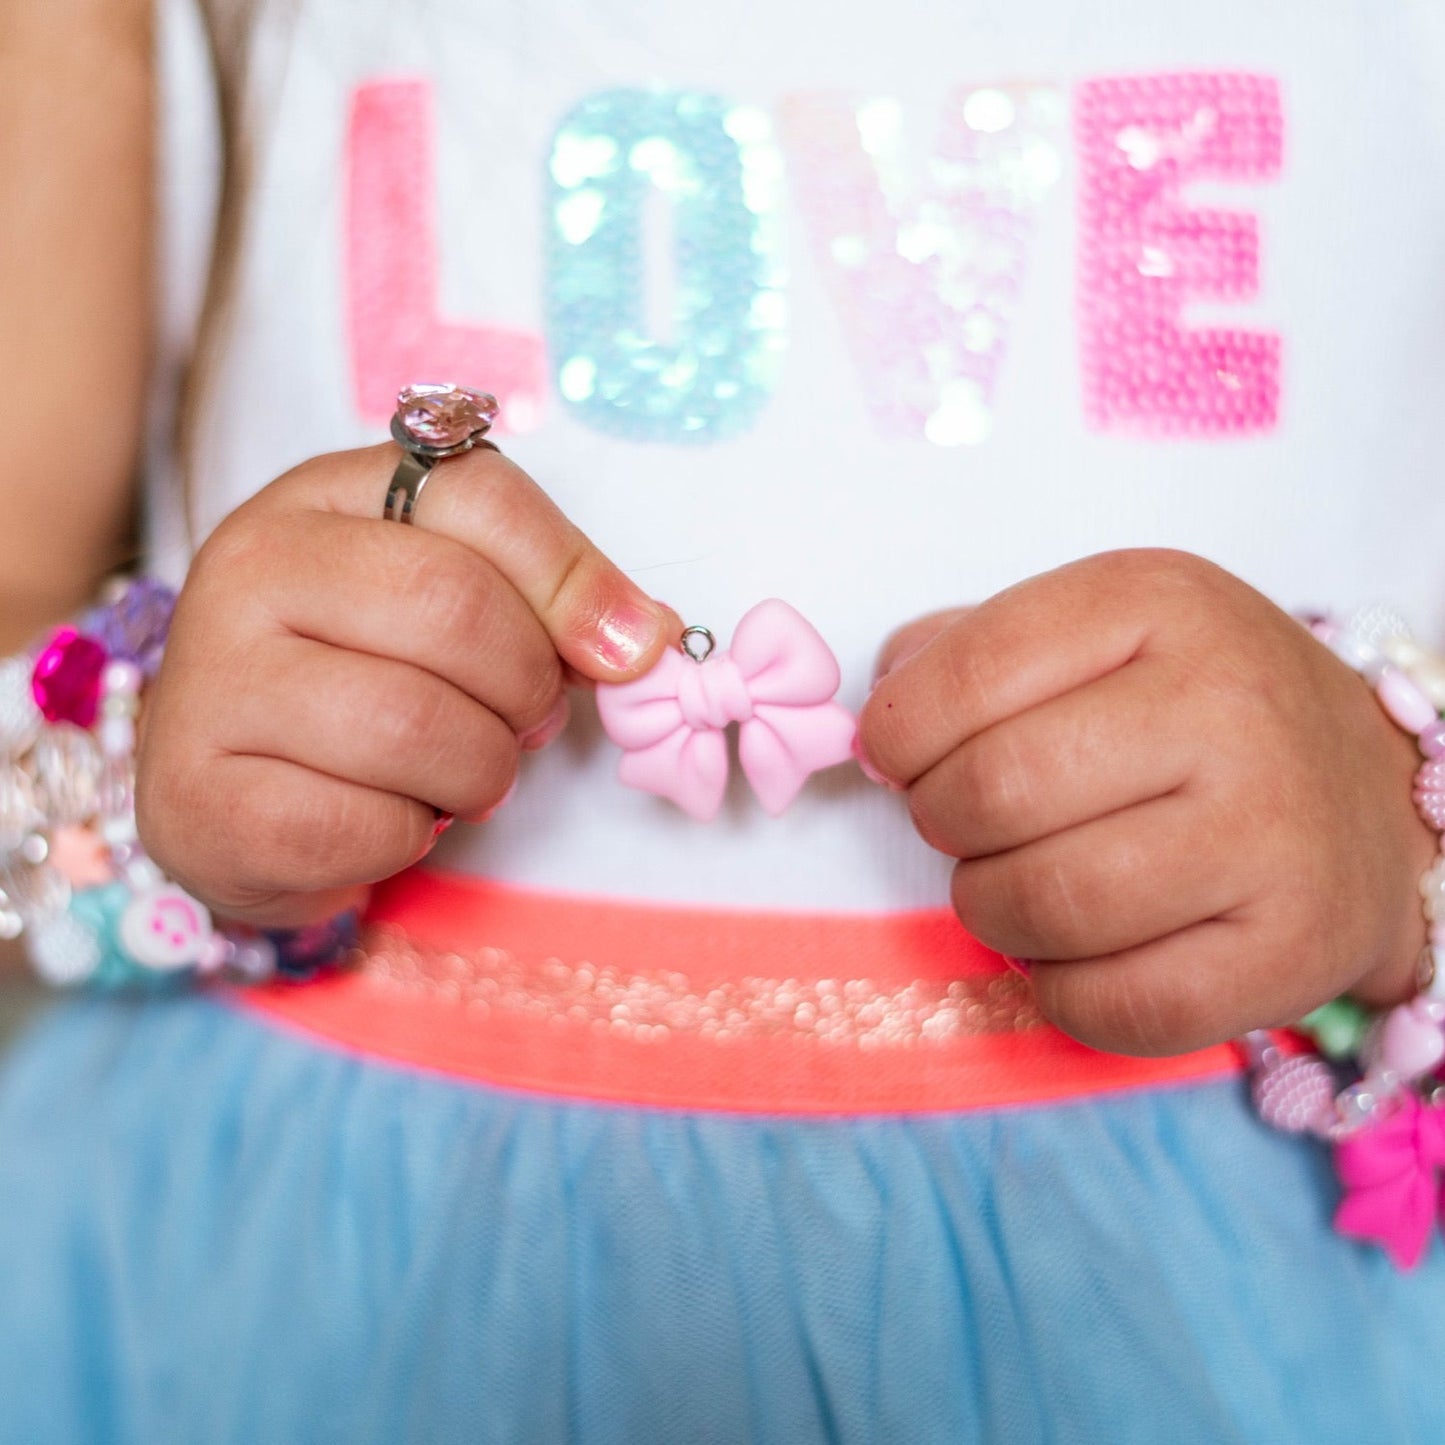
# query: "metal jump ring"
(708, 643)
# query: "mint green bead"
(1338, 1028)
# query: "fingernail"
(1024, 966)
(870, 772)
(548, 729)
(626, 633)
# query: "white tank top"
(873, 310)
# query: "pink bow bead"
(1389, 1172)
(777, 681)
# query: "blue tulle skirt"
(211, 1230)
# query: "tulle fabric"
(212, 1230)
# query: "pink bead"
(1296, 1095)
(1430, 777)
(1432, 740)
(1412, 1043)
(1405, 701)
(1432, 809)
(66, 680)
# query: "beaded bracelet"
(76, 885)
(1388, 1125)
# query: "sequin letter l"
(397, 336)
(1144, 255)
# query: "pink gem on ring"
(440, 416)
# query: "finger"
(1196, 987)
(1103, 747)
(1111, 884)
(599, 620)
(374, 722)
(913, 635)
(274, 829)
(1045, 636)
(423, 599)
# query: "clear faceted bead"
(19, 717)
(1377, 625)
(35, 893)
(443, 415)
(20, 813)
(63, 951)
(68, 767)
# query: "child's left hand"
(1183, 810)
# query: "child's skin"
(1160, 787)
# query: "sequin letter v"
(927, 276)
(392, 267)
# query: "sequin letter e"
(1143, 254)
(397, 336)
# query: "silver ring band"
(405, 490)
(432, 421)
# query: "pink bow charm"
(1389, 1170)
(777, 681)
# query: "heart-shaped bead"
(1411, 1043)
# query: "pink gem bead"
(1411, 1043)
(1296, 1095)
(1432, 740)
(67, 676)
(1404, 701)
(442, 415)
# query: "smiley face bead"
(164, 928)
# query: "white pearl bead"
(1403, 651)
(1354, 652)
(122, 677)
(1435, 988)
(117, 737)
(1429, 677)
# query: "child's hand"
(332, 680)
(1165, 793)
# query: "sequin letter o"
(1144, 255)
(715, 166)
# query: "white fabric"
(1341, 503)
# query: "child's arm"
(1186, 812)
(75, 294)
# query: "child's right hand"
(333, 680)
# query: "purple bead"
(134, 627)
(1432, 740)
(304, 952)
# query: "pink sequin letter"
(927, 277)
(397, 336)
(1144, 254)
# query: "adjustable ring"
(432, 421)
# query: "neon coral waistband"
(700, 1008)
